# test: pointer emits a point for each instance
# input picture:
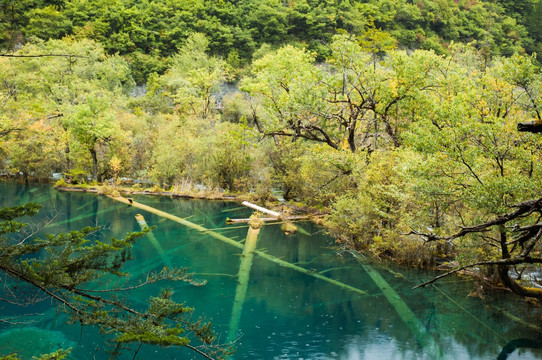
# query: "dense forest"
(396, 118)
(148, 33)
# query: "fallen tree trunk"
(243, 277)
(237, 244)
(261, 209)
(241, 221)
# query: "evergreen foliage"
(65, 268)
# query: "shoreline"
(128, 191)
(313, 215)
(274, 204)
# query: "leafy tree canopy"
(149, 32)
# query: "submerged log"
(232, 242)
(530, 126)
(424, 337)
(515, 318)
(143, 224)
(242, 282)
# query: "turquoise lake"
(285, 314)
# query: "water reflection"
(516, 344)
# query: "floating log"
(261, 209)
(77, 189)
(246, 220)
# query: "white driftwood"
(240, 221)
(261, 209)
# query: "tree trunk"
(67, 152)
(94, 164)
(503, 271)
(515, 287)
(352, 137)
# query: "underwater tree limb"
(143, 224)
(514, 318)
(405, 313)
(15, 320)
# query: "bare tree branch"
(523, 208)
(513, 261)
(44, 55)
(14, 320)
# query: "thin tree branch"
(44, 55)
(512, 261)
(522, 208)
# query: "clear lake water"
(285, 314)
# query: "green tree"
(286, 80)
(268, 21)
(353, 102)
(33, 152)
(73, 89)
(230, 156)
(460, 164)
(535, 27)
(194, 77)
(171, 161)
(11, 22)
(62, 266)
(47, 23)
(92, 124)
(473, 153)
